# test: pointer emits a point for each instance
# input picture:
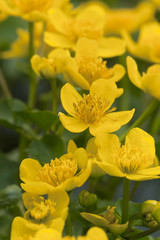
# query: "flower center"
(77, 28)
(25, 237)
(131, 159)
(91, 108)
(42, 208)
(110, 216)
(27, 6)
(93, 68)
(58, 170)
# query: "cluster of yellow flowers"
(77, 41)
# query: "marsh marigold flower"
(60, 173)
(92, 110)
(149, 82)
(89, 23)
(148, 45)
(134, 160)
(109, 220)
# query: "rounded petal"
(57, 40)
(95, 219)
(72, 147)
(86, 48)
(104, 89)
(118, 71)
(72, 124)
(96, 233)
(133, 72)
(119, 92)
(151, 85)
(39, 188)
(110, 169)
(58, 224)
(141, 139)
(47, 233)
(140, 177)
(111, 47)
(91, 146)
(153, 171)
(28, 173)
(81, 158)
(111, 122)
(35, 61)
(118, 228)
(107, 144)
(69, 96)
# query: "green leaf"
(49, 147)
(10, 196)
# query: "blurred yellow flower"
(134, 160)
(109, 220)
(31, 10)
(23, 229)
(148, 44)
(60, 173)
(89, 23)
(128, 19)
(149, 82)
(92, 110)
(50, 234)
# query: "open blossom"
(60, 173)
(149, 82)
(92, 110)
(147, 46)
(134, 160)
(89, 23)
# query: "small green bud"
(156, 212)
(10, 196)
(146, 211)
(87, 199)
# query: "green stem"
(134, 189)
(125, 201)
(4, 86)
(151, 108)
(69, 225)
(54, 95)
(31, 39)
(145, 233)
(92, 184)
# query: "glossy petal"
(139, 177)
(91, 146)
(111, 169)
(39, 188)
(72, 124)
(95, 219)
(69, 96)
(151, 171)
(151, 85)
(119, 71)
(28, 173)
(57, 40)
(47, 233)
(141, 139)
(96, 233)
(133, 72)
(119, 92)
(86, 48)
(72, 147)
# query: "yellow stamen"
(58, 170)
(93, 69)
(131, 159)
(42, 208)
(110, 216)
(25, 237)
(91, 108)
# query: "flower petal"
(86, 48)
(141, 139)
(139, 177)
(133, 72)
(95, 219)
(150, 171)
(69, 96)
(91, 146)
(39, 188)
(72, 147)
(119, 71)
(72, 124)
(151, 85)
(110, 169)
(57, 40)
(28, 173)
(96, 233)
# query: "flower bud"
(156, 212)
(147, 206)
(146, 211)
(87, 199)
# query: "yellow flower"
(19, 48)
(23, 229)
(149, 82)
(134, 160)
(51, 66)
(92, 110)
(148, 44)
(128, 19)
(157, 3)
(108, 220)
(89, 23)
(50, 234)
(59, 173)
(86, 66)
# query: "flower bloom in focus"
(89, 23)
(60, 173)
(92, 110)
(148, 45)
(149, 82)
(134, 160)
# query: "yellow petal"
(58, 225)
(28, 173)
(119, 92)
(86, 48)
(111, 122)
(72, 147)
(150, 171)
(133, 72)
(72, 124)
(151, 85)
(107, 144)
(35, 61)
(81, 158)
(95, 219)
(91, 146)
(118, 228)
(96, 233)
(47, 233)
(104, 89)
(110, 169)
(141, 139)
(139, 177)
(69, 96)
(119, 71)
(111, 47)
(39, 188)
(57, 40)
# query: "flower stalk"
(125, 201)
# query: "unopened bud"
(87, 199)
(146, 211)
(156, 212)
